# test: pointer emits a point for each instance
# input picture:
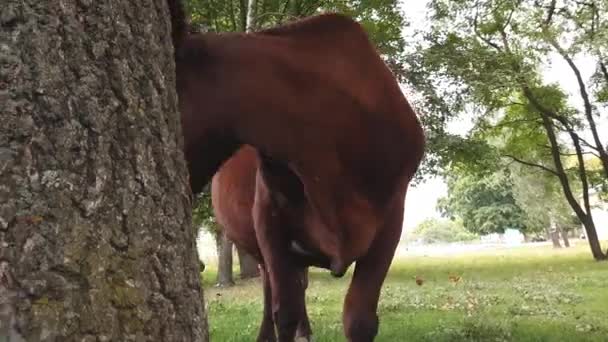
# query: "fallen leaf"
(454, 278)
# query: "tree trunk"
(582, 212)
(224, 258)
(243, 4)
(599, 147)
(96, 238)
(592, 238)
(564, 235)
(251, 15)
(248, 265)
(552, 234)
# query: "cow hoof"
(304, 339)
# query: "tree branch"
(579, 80)
(527, 163)
(586, 143)
(509, 17)
(550, 12)
(546, 115)
(604, 71)
(582, 172)
(513, 122)
(478, 34)
(599, 147)
(569, 154)
(284, 10)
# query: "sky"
(421, 200)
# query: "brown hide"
(315, 97)
(232, 194)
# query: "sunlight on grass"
(520, 294)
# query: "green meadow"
(518, 294)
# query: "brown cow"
(233, 193)
(338, 144)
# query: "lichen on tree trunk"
(96, 242)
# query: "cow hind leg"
(266, 333)
(361, 303)
(285, 285)
(288, 303)
(304, 332)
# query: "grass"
(521, 294)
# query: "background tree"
(484, 203)
(440, 230)
(203, 218)
(539, 195)
(482, 60)
(96, 238)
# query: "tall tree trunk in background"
(243, 5)
(552, 234)
(96, 238)
(583, 212)
(251, 15)
(564, 235)
(247, 264)
(224, 261)
(593, 239)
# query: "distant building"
(509, 237)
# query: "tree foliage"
(484, 60)
(480, 58)
(540, 197)
(484, 204)
(202, 213)
(441, 230)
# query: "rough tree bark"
(224, 261)
(247, 264)
(96, 241)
